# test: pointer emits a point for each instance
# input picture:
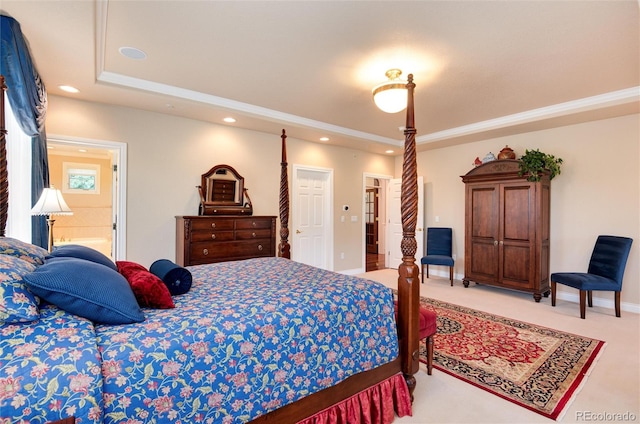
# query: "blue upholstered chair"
(439, 242)
(605, 272)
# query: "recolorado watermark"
(605, 416)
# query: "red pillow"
(149, 290)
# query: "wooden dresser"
(208, 239)
(507, 228)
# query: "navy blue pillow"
(82, 252)
(87, 289)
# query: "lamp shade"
(51, 203)
(391, 96)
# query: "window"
(19, 169)
(80, 178)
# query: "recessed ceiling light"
(324, 138)
(82, 150)
(388, 151)
(132, 53)
(68, 89)
(229, 120)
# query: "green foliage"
(533, 162)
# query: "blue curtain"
(28, 99)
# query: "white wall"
(598, 192)
(167, 156)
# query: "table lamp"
(51, 203)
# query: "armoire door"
(482, 232)
(517, 235)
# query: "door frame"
(386, 178)
(327, 213)
(119, 200)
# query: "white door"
(312, 239)
(394, 253)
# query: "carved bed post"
(408, 281)
(4, 178)
(284, 250)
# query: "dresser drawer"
(208, 235)
(252, 223)
(203, 252)
(253, 234)
(212, 224)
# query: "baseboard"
(597, 301)
(568, 296)
(355, 271)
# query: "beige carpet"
(611, 392)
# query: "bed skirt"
(375, 405)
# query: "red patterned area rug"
(535, 367)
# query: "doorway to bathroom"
(90, 174)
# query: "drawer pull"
(253, 223)
(213, 225)
(260, 247)
(213, 236)
(253, 235)
(205, 252)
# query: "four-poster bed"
(380, 380)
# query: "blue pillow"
(82, 252)
(87, 289)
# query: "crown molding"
(614, 98)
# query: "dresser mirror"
(222, 192)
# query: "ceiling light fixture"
(324, 138)
(132, 53)
(68, 89)
(229, 120)
(391, 96)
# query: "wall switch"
(437, 218)
(342, 218)
(354, 218)
(341, 255)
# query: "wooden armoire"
(507, 228)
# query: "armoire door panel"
(516, 265)
(484, 209)
(484, 260)
(517, 204)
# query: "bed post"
(4, 178)
(408, 282)
(284, 250)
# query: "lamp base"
(50, 225)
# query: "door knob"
(298, 231)
(495, 242)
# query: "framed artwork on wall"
(80, 178)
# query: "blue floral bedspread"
(50, 369)
(249, 337)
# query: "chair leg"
(429, 354)
(427, 270)
(553, 293)
(422, 273)
(583, 301)
(590, 298)
(617, 302)
(451, 275)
